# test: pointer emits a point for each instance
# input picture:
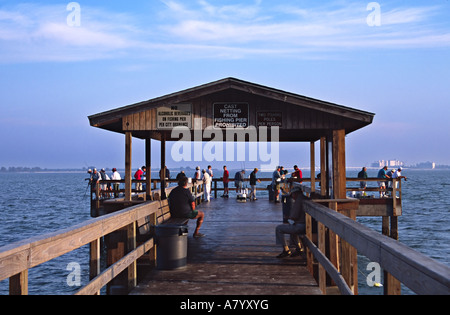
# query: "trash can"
(171, 241)
(271, 192)
(286, 201)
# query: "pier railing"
(418, 272)
(16, 259)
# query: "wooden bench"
(163, 216)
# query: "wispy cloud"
(206, 29)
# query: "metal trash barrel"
(171, 243)
(286, 201)
(271, 192)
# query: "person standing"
(207, 182)
(95, 180)
(239, 180)
(116, 176)
(398, 175)
(105, 187)
(363, 184)
(138, 176)
(197, 174)
(276, 182)
(166, 176)
(253, 181)
(382, 184)
(226, 180)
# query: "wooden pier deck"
(237, 256)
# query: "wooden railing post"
(131, 246)
(94, 261)
(322, 248)
(18, 284)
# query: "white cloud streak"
(201, 29)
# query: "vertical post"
(94, 261)
(163, 166)
(349, 267)
(323, 166)
(148, 164)
(391, 285)
(313, 166)
(339, 172)
(131, 245)
(334, 242)
(18, 284)
(322, 248)
(309, 235)
(128, 180)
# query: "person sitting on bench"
(182, 205)
(297, 228)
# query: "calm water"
(35, 204)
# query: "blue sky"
(53, 74)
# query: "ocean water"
(32, 204)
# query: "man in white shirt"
(398, 175)
(116, 176)
(207, 180)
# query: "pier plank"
(237, 256)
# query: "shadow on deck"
(237, 256)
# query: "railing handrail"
(21, 256)
(418, 272)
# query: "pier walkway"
(237, 256)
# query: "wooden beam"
(128, 175)
(339, 172)
(94, 260)
(313, 166)
(323, 166)
(163, 166)
(148, 164)
(18, 284)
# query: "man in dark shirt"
(253, 181)
(182, 205)
(298, 226)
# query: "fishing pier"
(238, 254)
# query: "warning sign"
(269, 119)
(179, 115)
(231, 115)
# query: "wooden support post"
(349, 260)
(391, 285)
(322, 248)
(18, 284)
(309, 235)
(94, 260)
(334, 242)
(323, 166)
(339, 171)
(131, 245)
(128, 176)
(148, 164)
(163, 166)
(313, 166)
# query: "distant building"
(388, 163)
